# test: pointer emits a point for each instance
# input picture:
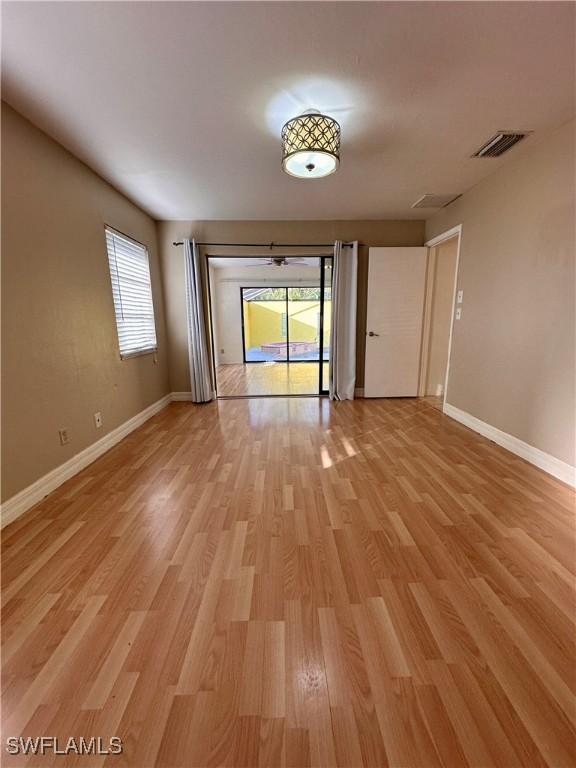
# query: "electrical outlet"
(458, 313)
(63, 435)
(98, 420)
(459, 297)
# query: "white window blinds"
(132, 292)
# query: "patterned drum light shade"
(310, 146)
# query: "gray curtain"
(342, 366)
(198, 346)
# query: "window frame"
(137, 352)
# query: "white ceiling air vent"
(434, 201)
(501, 142)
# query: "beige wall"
(370, 233)
(439, 298)
(60, 361)
(512, 361)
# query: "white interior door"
(396, 282)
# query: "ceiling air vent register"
(501, 142)
(434, 201)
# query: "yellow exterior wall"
(304, 321)
(263, 321)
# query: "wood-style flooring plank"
(294, 583)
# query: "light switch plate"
(459, 297)
(458, 313)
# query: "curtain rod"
(269, 245)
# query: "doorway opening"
(270, 320)
(442, 306)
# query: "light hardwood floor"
(269, 379)
(434, 401)
(297, 583)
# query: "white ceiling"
(180, 105)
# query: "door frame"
(432, 243)
(323, 386)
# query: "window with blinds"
(132, 292)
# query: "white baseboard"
(545, 461)
(177, 397)
(21, 502)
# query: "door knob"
(371, 333)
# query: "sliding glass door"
(282, 324)
(264, 324)
(290, 324)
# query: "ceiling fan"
(281, 261)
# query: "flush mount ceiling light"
(310, 146)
